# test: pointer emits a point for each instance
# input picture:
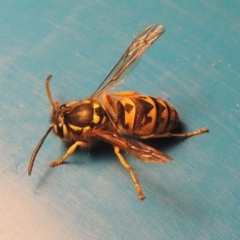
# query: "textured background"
(194, 65)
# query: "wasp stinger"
(117, 118)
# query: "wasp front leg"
(132, 174)
(69, 152)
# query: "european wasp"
(119, 118)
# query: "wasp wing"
(139, 45)
(136, 148)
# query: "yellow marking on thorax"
(96, 105)
(96, 118)
(75, 128)
(86, 129)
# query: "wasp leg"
(69, 152)
(130, 170)
(190, 134)
(168, 134)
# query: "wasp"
(118, 118)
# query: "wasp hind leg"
(190, 134)
(69, 152)
(132, 174)
(169, 134)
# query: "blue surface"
(194, 65)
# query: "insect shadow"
(105, 152)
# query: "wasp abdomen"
(144, 115)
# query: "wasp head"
(58, 120)
(58, 112)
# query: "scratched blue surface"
(194, 65)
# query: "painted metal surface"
(194, 65)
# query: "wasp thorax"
(77, 117)
(81, 115)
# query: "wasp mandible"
(119, 118)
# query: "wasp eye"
(63, 106)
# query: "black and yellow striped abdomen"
(141, 115)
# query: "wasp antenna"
(34, 154)
(49, 91)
